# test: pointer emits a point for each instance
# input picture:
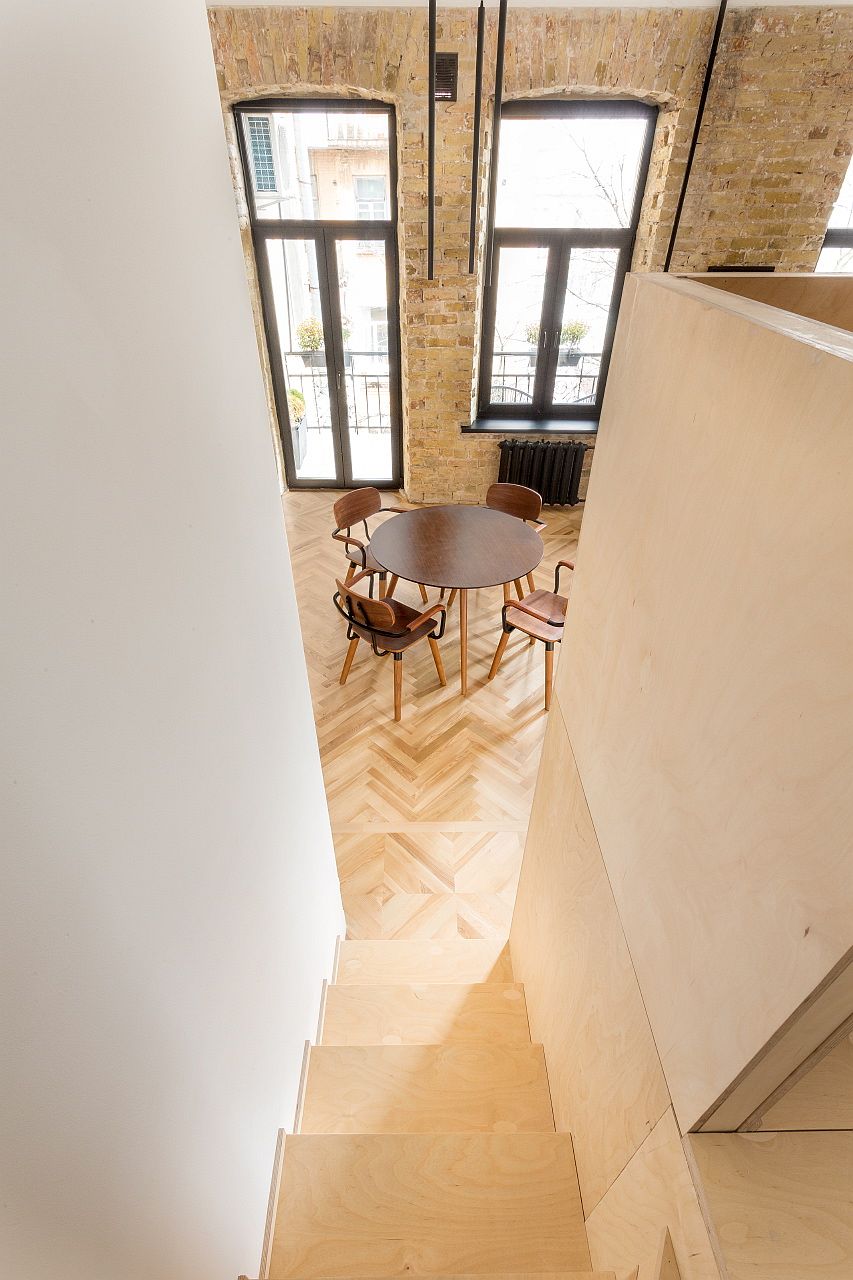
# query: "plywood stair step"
(427, 1089)
(452, 1204)
(408, 960)
(483, 1013)
(493, 1275)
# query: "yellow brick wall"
(779, 131)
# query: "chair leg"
(392, 584)
(398, 686)
(423, 592)
(499, 653)
(353, 645)
(531, 584)
(436, 657)
(383, 578)
(519, 589)
(350, 572)
(452, 597)
(549, 671)
(506, 593)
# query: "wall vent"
(446, 76)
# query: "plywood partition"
(706, 678)
(826, 298)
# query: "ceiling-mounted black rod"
(703, 97)
(431, 147)
(496, 133)
(475, 151)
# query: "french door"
(320, 181)
(336, 378)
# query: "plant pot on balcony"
(313, 359)
(569, 357)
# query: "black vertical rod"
(475, 155)
(431, 147)
(703, 97)
(496, 134)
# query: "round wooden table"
(457, 547)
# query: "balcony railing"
(366, 378)
(514, 373)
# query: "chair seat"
(401, 637)
(355, 556)
(551, 610)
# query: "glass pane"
(319, 164)
(842, 210)
(569, 171)
(296, 298)
(839, 258)
(586, 310)
(518, 313)
(364, 329)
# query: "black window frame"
(559, 241)
(322, 231)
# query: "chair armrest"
(524, 608)
(438, 607)
(561, 564)
(365, 573)
(350, 541)
(401, 511)
(539, 525)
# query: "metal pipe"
(496, 133)
(431, 147)
(475, 155)
(703, 97)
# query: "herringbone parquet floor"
(429, 815)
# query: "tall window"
(837, 251)
(570, 184)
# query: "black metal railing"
(367, 383)
(514, 373)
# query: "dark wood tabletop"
(458, 546)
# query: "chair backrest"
(515, 500)
(356, 506)
(363, 611)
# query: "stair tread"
(491, 1013)
(427, 1089)
(379, 1204)
(493, 1275)
(404, 960)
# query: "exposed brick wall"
(763, 133)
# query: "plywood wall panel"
(583, 1001)
(828, 298)
(706, 678)
(655, 1192)
(822, 1099)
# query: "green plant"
(531, 333)
(572, 333)
(309, 334)
(296, 405)
(346, 330)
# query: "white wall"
(169, 901)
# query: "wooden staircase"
(426, 1143)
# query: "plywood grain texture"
(484, 1013)
(383, 1204)
(781, 1203)
(822, 1099)
(706, 677)
(427, 1089)
(455, 960)
(583, 1000)
(655, 1192)
(827, 298)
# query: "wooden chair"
(526, 504)
(540, 615)
(356, 508)
(389, 626)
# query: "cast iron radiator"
(551, 467)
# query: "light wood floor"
(429, 815)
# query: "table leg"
(463, 639)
